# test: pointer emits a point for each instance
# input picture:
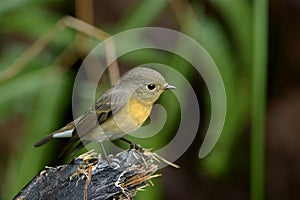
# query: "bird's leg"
(133, 145)
(104, 152)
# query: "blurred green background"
(256, 156)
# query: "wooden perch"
(91, 177)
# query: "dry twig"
(66, 22)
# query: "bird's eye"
(151, 87)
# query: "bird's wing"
(108, 103)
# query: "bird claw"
(137, 147)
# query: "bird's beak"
(169, 87)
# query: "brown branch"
(40, 44)
(94, 32)
(30, 53)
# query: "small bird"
(120, 110)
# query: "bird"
(119, 111)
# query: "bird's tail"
(44, 140)
(63, 134)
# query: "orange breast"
(138, 111)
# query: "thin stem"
(258, 100)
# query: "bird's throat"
(138, 111)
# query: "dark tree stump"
(88, 177)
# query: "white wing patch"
(64, 134)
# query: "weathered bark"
(91, 177)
